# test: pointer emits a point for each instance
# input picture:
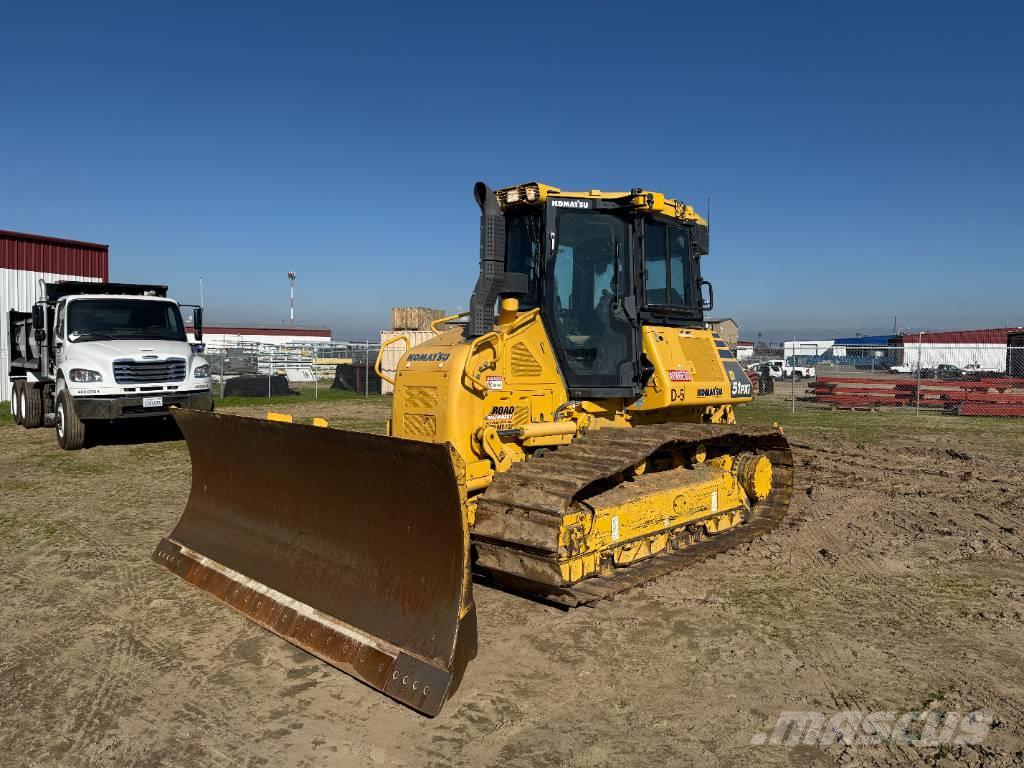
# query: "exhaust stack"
(492, 262)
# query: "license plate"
(152, 402)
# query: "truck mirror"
(197, 323)
(39, 322)
(707, 297)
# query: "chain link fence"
(919, 376)
(966, 379)
(262, 370)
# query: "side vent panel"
(523, 361)
(420, 398)
(419, 425)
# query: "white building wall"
(818, 347)
(986, 357)
(19, 289)
(238, 339)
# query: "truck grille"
(149, 372)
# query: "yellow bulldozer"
(576, 442)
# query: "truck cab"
(98, 352)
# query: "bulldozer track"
(538, 492)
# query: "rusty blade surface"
(351, 546)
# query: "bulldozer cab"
(600, 266)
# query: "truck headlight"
(202, 371)
(84, 375)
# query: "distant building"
(808, 352)
(230, 336)
(1015, 354)
(727, 328)
(873, 351)
(984, 349)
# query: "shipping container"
(25, 260)
(393, 353)
(1015, 354)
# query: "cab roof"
(535, 193)
(85, 289)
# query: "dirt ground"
(896, 584)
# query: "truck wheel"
(16, 402)
(70, 428)
(31, 406)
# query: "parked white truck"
(784, 369)
(92, 352)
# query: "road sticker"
(615, 528)
(495, 382)
(680, 376)
(714, 502)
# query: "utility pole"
(202, 302)
(291, 314)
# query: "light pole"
(291, 279)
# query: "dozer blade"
(353, 547)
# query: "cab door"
(587, 284)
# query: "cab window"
(59, 322)
(668, 278)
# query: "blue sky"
(864, 160)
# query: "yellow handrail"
(442, 320)
(380, 354)
(495, 339)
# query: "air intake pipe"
(492, 262)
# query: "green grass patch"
(373, 426)
(5, 413)
(874, 426)
(65, 463)
(9, 485)
(157, 450)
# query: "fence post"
(792, 370)
(916, 410)
(366, 373)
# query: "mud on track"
(896, 584)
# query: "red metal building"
(24, 260)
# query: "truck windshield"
(92, 319)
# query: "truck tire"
(16, 401)
(70, 428)
(31, 406)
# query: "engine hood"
(105, 351)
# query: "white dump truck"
(91, 352)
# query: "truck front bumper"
(124, 407)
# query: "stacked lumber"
(993, 396)
(414, 318)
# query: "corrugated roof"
(977, 336)
(53, 255)
(864, 341)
